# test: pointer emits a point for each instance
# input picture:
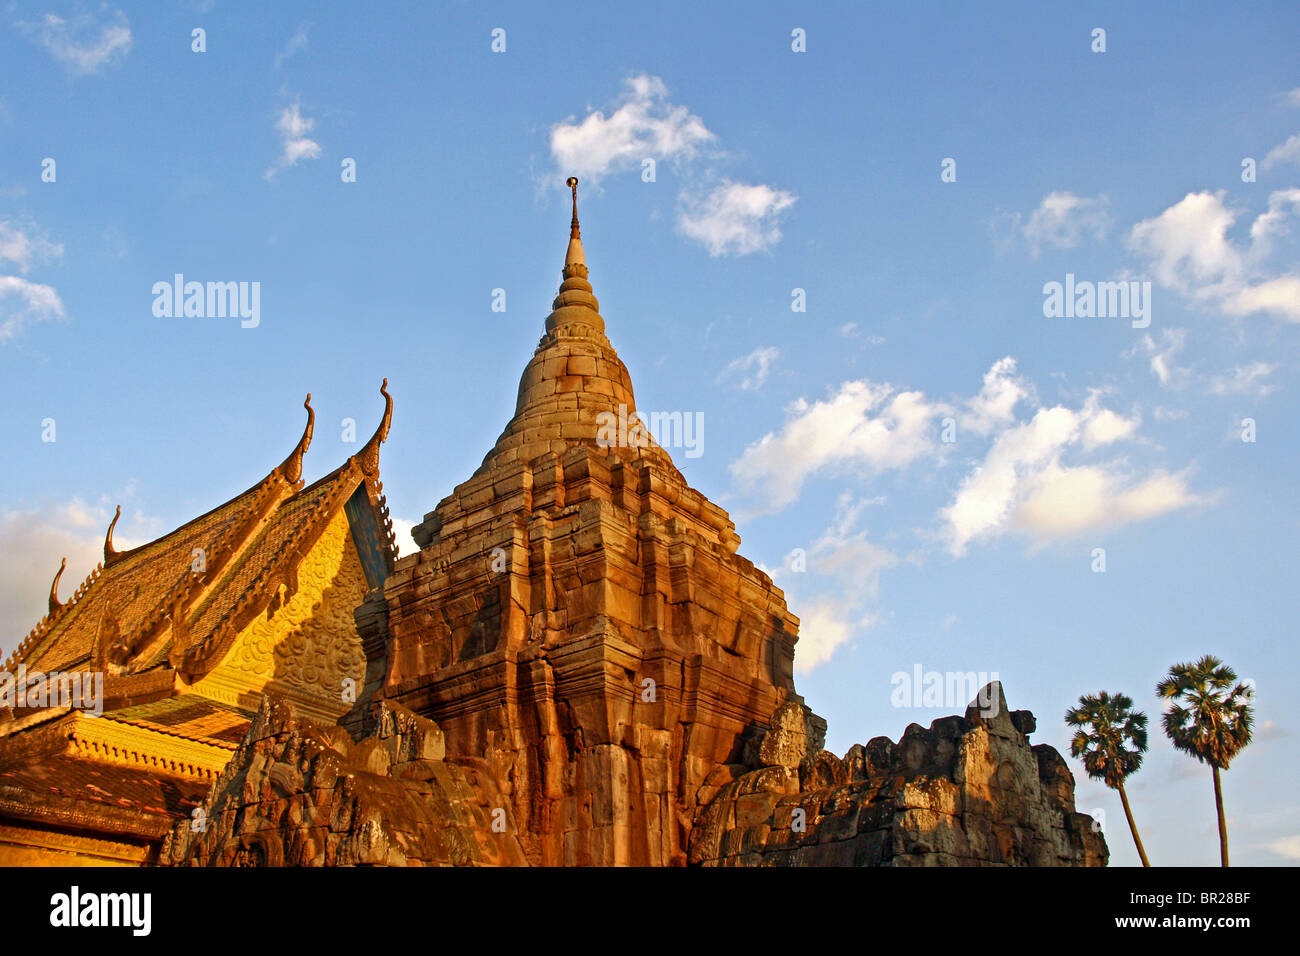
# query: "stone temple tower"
(578, 621)
(577, 668)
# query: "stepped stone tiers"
(578, 668)
(274, 591)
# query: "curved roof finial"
(111, 552)
(292, 466)
(55, 604)
(369, 456)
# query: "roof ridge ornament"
(368, 457)
(111, 552)
(55, 604)
(291, 468)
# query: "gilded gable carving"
(306, 644)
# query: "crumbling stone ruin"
(297, 793)
(969, 791)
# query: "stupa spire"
(574, 376)
(574, 256)
(575, 304)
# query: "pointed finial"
(368, 457)
(575, 304)
(575, 262)
(109, 551)
(572, 183)
(55, 603)
(292, 466)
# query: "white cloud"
(850, 330)
(851, 563)
(854, 560)
(22, 302)
(402, 532)
(1270, 730)
(865, 426)
(1187, 244)
(1280, 295)
(825, 624)
(23, 247)
(1287, 847)
(83, 43)
(1244, 380)
(1287, 152)
(1063, 220)
(35, 542)
(734, 218)
(296, 145)
(1061, 502)
(295, 43)
(643, 126)
(727, 217)
(760, 361)
(1271, 225)
(1163, 366)
(1188, 250)
(1022, 484)
(996, 402)
(1101, 426)
(987, 496)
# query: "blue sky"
(774, 170)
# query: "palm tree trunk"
(1123, 798)
(1223, 825)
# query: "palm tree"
(1111, 739)
(1210, 720)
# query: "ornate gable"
(189, 631)
(181, 600)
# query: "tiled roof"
(189, 716)
(98, 795)
(132, 590)
(247, 544)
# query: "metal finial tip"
(571, 182)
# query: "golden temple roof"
(181, 599)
